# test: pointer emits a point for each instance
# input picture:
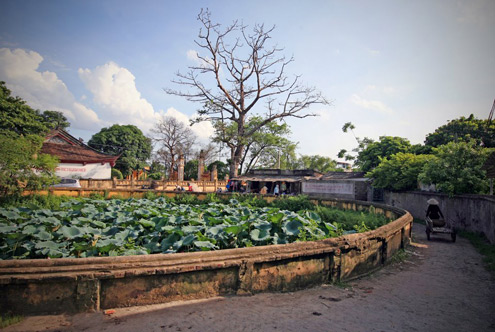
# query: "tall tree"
(128, 141)
(457, 168)
(236, 72)
(173, 138)
(463, 130)
(22, 131)
(55, 119)
(317, 162)
(17, 118)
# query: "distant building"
(77, 160)
(344, 185)
(345, 166)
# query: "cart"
(435, 228)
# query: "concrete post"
(201, 164)
(180, 173)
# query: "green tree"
(399, 171)
(317, 162)
(456, 168)
(191, 170)
(464, 130)
(233, 79)
(54, 119)
(21, 165)
(370, 156)
(17, 118)
(222, 169)
(128, 141)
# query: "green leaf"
(71, 232)
(291, 227)
(204, 245)
(146, 223)
(260, 234)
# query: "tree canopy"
(126, 140)
(457, 168)
(464, 130)
(399, 171)
(22, 131)
(236, 72)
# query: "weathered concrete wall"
(474, 213)
(90, 284)
(342, 189)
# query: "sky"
(391, 67)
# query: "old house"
(77, 160)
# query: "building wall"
(80, 171)
(343, 189)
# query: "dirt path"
(441, 286)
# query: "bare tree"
(237, 71)
(173, 138)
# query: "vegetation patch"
(480, 242)
(87, 227)
(9, 319)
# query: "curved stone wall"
(90, 284)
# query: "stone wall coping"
(27, 270)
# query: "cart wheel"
(453, 236)
(428, 234)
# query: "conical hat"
(432, 201)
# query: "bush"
(117, 174)
(155, 176)
(294, 203)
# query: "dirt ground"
(440, 286)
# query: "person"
(189, 185)
(276, 190)
(434, 213)
(283, 188)
(264, 190)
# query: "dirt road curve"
(441, 286)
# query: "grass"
(400, 256)
(486, 249)
(9, 319)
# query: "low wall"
(49, 286)
(205, 186)
(474, 213)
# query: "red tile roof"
(70, 150)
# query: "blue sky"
(400, 68)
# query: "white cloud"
(475, 11)
(119, 101)
(194, 56)
(202, 129)
(42, 90)
(374, 105)
(115, 93)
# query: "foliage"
(294, 203)
(127, 140)
(155, 176)
(9, 319)
(348, 221)
(399, 172)
(319, 163)
(480, 242)
(17, 118)
(191, 169)
(21, 167)
(370, 156)
(54, 119)
(222, 169)
(95, 227)
(117, 174)
(236, 72)
(464, 130)
(456, 168)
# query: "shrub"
(117, 174)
